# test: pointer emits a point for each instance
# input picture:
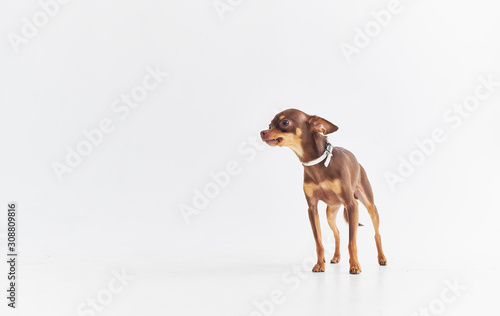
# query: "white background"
(120, 208)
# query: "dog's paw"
(335, 259)
(319, 267)
(355, 269)
(382, 260)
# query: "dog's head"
(293, 128)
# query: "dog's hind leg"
(331, 215)
(365, 194)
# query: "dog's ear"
(320, 125)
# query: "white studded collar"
(326, 154)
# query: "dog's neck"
(312, 147)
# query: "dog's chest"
(326, 191)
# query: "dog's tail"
(346, 217)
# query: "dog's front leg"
(320, 251)
(353, 218)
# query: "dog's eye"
(285, 123)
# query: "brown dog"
(331, 174)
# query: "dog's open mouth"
(274, 142)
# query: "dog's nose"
(263, 134)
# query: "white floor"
(57, 285)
